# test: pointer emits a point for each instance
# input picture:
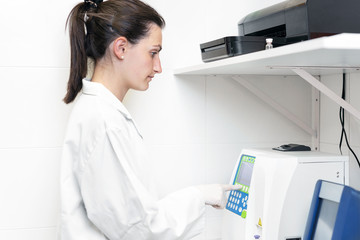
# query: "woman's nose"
(157, 66)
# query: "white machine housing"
(281, 190)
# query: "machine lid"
(272, 10)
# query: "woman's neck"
(108, 76)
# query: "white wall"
(330, 128)
(195, 127)
(34, 63)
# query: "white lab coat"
(104, 190)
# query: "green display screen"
(243, 175)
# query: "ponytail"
(78, 63)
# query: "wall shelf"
(327, 55)
(336, 54)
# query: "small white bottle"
(269, 44)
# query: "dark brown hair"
(93, 25)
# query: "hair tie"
(92, 3)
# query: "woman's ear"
(119, 47)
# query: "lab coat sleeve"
(121, 207)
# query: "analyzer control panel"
(237, 201)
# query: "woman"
(104, 189)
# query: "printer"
(286, 22)
(298, 20)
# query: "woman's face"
(142, 60)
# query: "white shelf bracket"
(325, 90)
(275, 105)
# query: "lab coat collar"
(97, 89)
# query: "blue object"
(334, 213)
(237, 201)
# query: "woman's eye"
(153, 54)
